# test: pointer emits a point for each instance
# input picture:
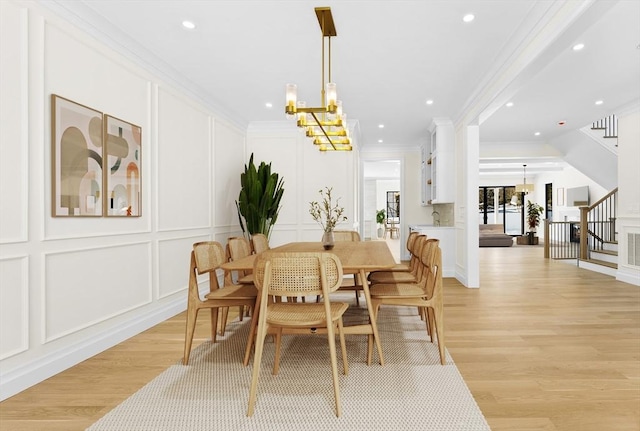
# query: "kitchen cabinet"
(438, 175)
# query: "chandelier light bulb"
(291, 95)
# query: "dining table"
(356, 257)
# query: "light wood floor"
(542, 345)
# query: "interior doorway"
(380, 177)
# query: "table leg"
(374, 326)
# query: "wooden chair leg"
(192, 316)
(343, 347)
(334, 368)
(214, 324)
(276, 361)
(255, 373)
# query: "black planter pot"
(531, 235)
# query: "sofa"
(492, 235)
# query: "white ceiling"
(388, 58)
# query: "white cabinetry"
(438, 164)
(447, 237)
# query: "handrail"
(575, 239)
(598, 224)
(604, 198)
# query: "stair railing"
(598, 224)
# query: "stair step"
(601, 262)
(609, 252)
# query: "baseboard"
(34, 372)
(628, 277)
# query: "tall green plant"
(259, 201)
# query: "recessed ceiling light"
(509, 104)
(380, 141)
(578, 46)
(429, 102)
(269, 105)
(381, 126)
(188, 25)
(537, 133)
(468, 17)
(599, 102)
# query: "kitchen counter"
(447, 237)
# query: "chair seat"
(247, 279)
(234, 292)
(392, 277)
(304, 314)
(405, 290)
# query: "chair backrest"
(237, 248)
(206, 257)
(416, 250)
(431, 261)
(411, 239)
(346, 235)
(297, 273)
(209, 255)
(260, 242)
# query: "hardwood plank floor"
(543, 345)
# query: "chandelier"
(327, 124)
(524, 188)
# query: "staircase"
(604, 261)
(599, 236)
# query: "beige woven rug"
(411, 392)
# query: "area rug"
(412, 391)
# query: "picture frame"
(122, 168)
(560, 196)
(76, 159)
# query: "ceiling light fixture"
(509, 104)
(578, 46)
(468, 17)
(327, 124)
(188, 25)
(599, 102)
(524, 188)
(537, 133)
(429, 102)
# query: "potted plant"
(380, 215)
(259, 201)
(327, 215)
(534, 211)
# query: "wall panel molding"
(14, 117)
(173, 264)
(98, 284)
(14, 305)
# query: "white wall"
(306, 171)
(628, 223)
(72, 287)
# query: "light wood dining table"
(356, 257)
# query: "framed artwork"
(560, 199)
(122, 164)
(76, 159)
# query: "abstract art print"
(77, 186)
(122, 166)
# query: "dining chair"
(390, 227)
(410, 276)
(426, 294)
(259, 243)
(401, 267)
(237, 248)
(206, 258)
(297, 274)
